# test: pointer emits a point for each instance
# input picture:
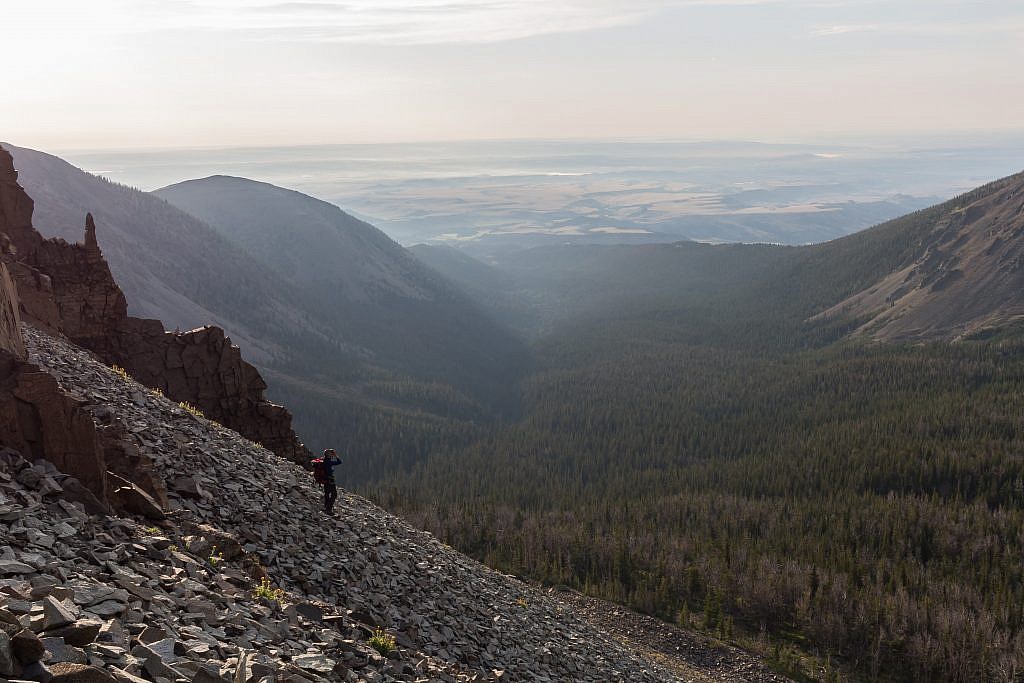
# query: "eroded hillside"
(968, 276)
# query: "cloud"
(1006, 25)
(386, 22)
(844, 28)
(406, 22)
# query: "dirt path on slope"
(693, 657)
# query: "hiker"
(331, 460)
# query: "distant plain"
(491, 196)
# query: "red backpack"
(319, 471)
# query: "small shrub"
(215, 558)
(191, 408)
(382, 641)
(264, 589)
(121, 371)
(158, 392)
(522, 602)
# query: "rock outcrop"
(182, 601)
(45, 424)
(36, 417)
(204, 368)
(41, 422)
(68, 289)
(11, 340)
(90, 305)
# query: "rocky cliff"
(43, 422)
(68, 289)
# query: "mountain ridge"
(403, 314)
(230, 203)
(819, 285)
(966, 279)
(172, 267)
(390, 347)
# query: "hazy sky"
(142, 73)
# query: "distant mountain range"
(335, 313)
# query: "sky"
(121, 74)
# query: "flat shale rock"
(79, 634)
(79, 673)
(13, 567)
(57, 651)
(55, 615)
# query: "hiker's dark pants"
(330, 495)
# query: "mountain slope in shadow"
(401, 314)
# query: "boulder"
(36, 671)
(27, 647)
(79, 673)
(61, 652)
(7, 662)
(153, 664)
(76, 492)
(123, 676)
(55, 615)
(205, 538)
(79, 634)
(186, 487)
(9, 567)
(310, 611)
(130, 498)
(317, 663)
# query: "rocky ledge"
(241, 577)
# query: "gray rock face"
(249, 582)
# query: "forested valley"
(695, 443)
(863, 501)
